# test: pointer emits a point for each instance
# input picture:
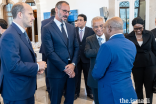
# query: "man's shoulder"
(91, 37)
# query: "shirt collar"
(102, 36)
(21, 28)
(82, 29)
(115, 34)
(58, 22)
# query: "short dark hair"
(84, 16)
(58, 5)
(3, 24)
(18, 7)
(53, 12)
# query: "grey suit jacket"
(91, 50)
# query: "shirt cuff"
(38, 66)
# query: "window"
(124, 15)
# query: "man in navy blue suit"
(18, 61)
(44, 22)
(61, 49)
(114, 64)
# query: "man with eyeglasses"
(61, 49)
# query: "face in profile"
(28, 17)
(138, 29)
(98, 26)
(63, 12)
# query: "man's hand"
(42, 66)
(69, 69)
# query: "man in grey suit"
(93, 44)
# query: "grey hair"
(58, 5)
(18, 7)
(97, 18)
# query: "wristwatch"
(73, 64)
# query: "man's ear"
(19, 15)
(109, 29)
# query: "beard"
(60, 16)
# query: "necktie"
(26, 36)
(64, 33)
(99, 40)
(80, 35)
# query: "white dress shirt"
(103, 38)
(23, 30)
(58, 23)
(82, 32)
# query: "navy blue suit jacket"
(113, 69)
(57, 51)
(18, 65)
(44, 22)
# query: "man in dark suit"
(19, 66)
(83, 62)
(44, 22)
(3, 26)
(93, 44)
(61, 49)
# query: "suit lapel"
(24, 39)
(77, 31)
(133, 38)
(85, 34)
(95, 41)
(145, 37)
(58, 31)
(69, 37)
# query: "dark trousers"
(57, 86)
(144, 75)
(85, 67)
(26, 101)
(95, 95)
(46, 79)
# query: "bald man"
(18, 61)
(113, 67)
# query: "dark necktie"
(26, 36)
(64, 33)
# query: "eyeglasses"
(140, 28)
(96, 27)
(65, 11)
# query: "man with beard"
(114, 64)
(61, 49)
(18, 60)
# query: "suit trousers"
(26, 101)
(46, 79)
(144, 75)
(57, 86)
(95, 95)
(85, 67)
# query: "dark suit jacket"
(57, 50)
(91, 50)
(88, 32)
(18, 63)
(44, 22)
(154, 32)
(146, 54)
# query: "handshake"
(42, 66)
(69, 69)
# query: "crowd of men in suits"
(66, 52)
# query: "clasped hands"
(69, 69)
(42, 66)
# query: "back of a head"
(18, 7)
(53, 12)
(116, 23)
(3, 24)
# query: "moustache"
(65, 16)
